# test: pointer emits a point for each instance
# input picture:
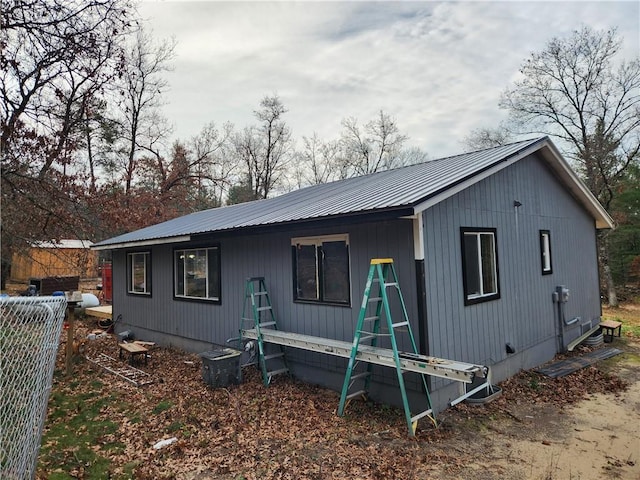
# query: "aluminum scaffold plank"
(437, 367)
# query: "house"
(495, 252)
(55, 259)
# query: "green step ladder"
(258, 311)
(375, 305)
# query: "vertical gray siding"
(524, 315)
(268, 255)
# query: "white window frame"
(317, 241)
(146, 283)
(483, 295)
(185, 252)
(545, 252)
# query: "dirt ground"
(583, 426)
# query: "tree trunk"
(603, 261)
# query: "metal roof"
(414, 187)
(63, 244)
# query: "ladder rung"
(391, 284)
(266, 324)
(368, 319)
(356, 394)
(367, 337)
(360, 375)
(274, 355)
(421, 415)
(244, 319)
(262, 309)
(399, 324)
(277, 372)
(260, 293)
(375, 299)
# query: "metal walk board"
(434, 366)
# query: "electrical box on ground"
(221, 368)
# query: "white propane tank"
(88, 300)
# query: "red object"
(107, 283)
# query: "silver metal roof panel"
(405, 187)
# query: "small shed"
(55, 259)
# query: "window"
(139, 273)
(479, 265)
(321, 269)
(197, 273)
(545, 252)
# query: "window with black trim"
(321, 269)
(545, 252)
(139, 273)
(479, 265)
(197, 273)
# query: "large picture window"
(321, 269)
(545, 252)
(197, 273)
(479, 265)
(139, 273)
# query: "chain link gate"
(29, 337)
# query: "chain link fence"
(29, 337)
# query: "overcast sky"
(437, 67)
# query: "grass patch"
(162, 406)
(74, 432)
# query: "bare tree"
(577, 91)
(574, 91)
(319, 161)
(482, 138)
(195, 173)
(265, 148)
(371, 149)
(140, 96)
(56, 58)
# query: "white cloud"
(439, 68)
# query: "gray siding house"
(485, 245)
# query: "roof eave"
(142, 243)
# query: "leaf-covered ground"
(100, 426)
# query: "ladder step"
(277, 372)
(356, 394)
(399, 324)
(369, 319)
(374, 299)
(266, 324)
(360, 375)
(274, 355)
(260, 293)
(262, 309)
(367, 337)
(421, 415)
(391, 284)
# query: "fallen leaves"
(286, 430)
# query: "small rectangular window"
(197, 273)
(321, 269)
(139, 273)
(479, 265)
(545, 252)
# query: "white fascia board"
(143, 243)
(559, 165)
(556, 162)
